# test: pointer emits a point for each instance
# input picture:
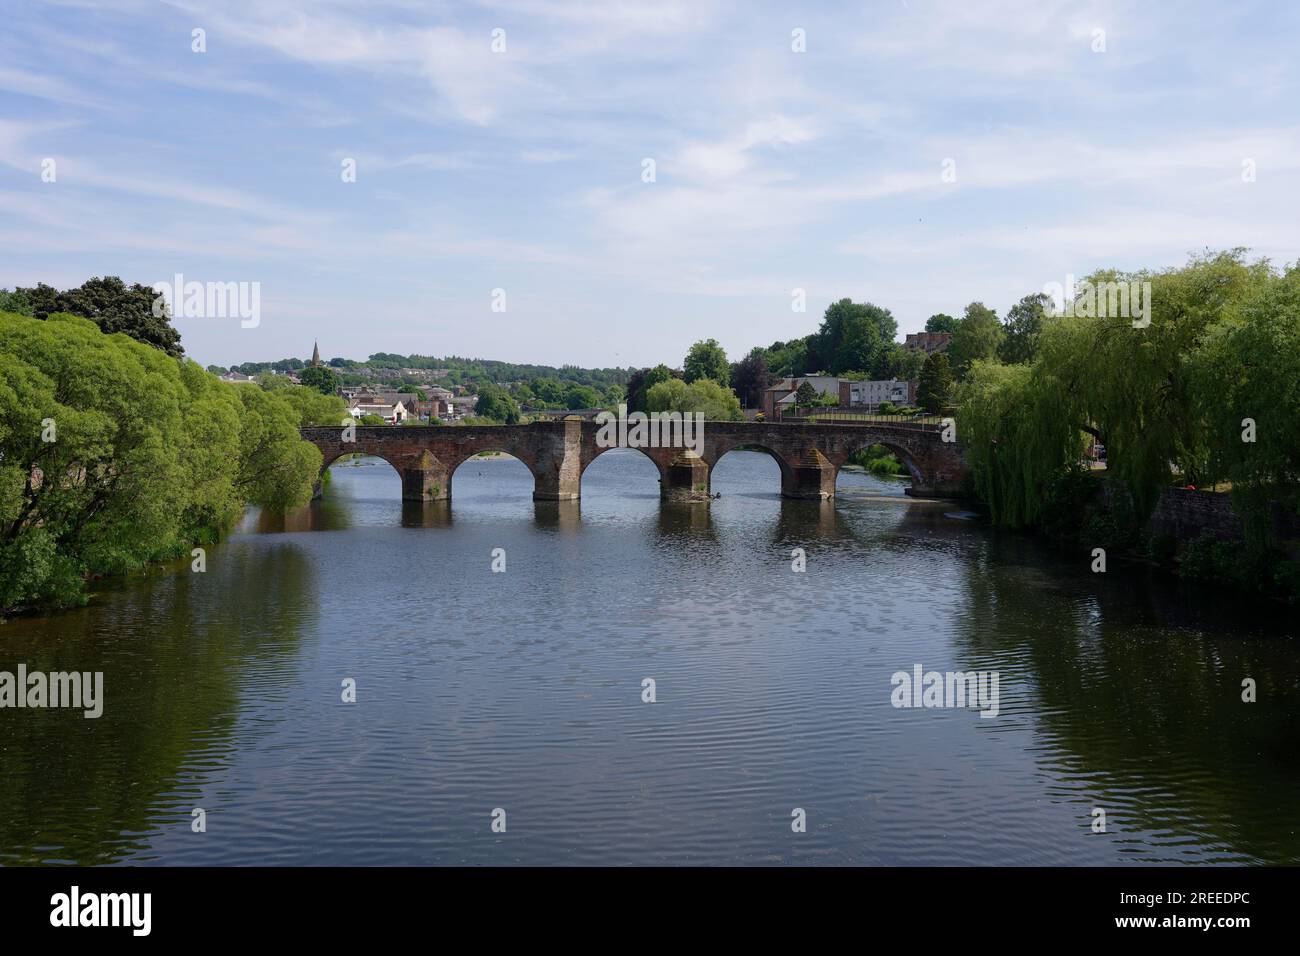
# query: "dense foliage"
(112, 305)
(320, 377)
(977, 338)
(750, 378)
(934, 389)
(706, 359)
(717, 402)
(495, 404)
(114, 454)
(1207, 393)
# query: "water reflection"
(686, 519)
(523, 689)
(1135, 687)
(177, 651)
(426, 514)
(558, 515)
(323, 514)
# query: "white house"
(871, 394)
(393, 414)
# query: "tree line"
(1206, 395)
(116, 452)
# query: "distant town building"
(780, 396)
(872, 394)
(928, 341)
(849, 393)
(239, 377)
(393, 414)
(315, 354)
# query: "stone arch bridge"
(557, 453)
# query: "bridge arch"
(412, 469)
(809, 455)
(895, 448)
(469, 457)
(659, 461)
(784, 469)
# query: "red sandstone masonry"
(557, 453)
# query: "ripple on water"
(523, 691)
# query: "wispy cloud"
(520, 167)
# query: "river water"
(522, 690)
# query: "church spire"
(315, 353)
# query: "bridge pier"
(425, 479)
(557, 470)
(555, 486)
(686, 478)
(809, 475)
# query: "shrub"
(885, 467)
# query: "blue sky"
(522, 170)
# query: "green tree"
(1020, 436)
(135, 310)
(852, 335)
(1245, 384)
(1023, 325)
(523, 395)
(313, 407)
(978, 338)
(549, 391)
(582, 396)
(934, 389)
(785, 359)
(276, 467)
(114, 454)
(1169, 395)
(641, 383)
(706, 359)
(902, 364)
(805, 395)
(717, 402)
(860, 347)
(320, 377)
(15, 302)
(495, 404)
(941, 322)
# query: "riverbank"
(1189, 534)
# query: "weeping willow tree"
(1021, 436)
(1246, 390)
(1133, 384)
(1160, 394)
